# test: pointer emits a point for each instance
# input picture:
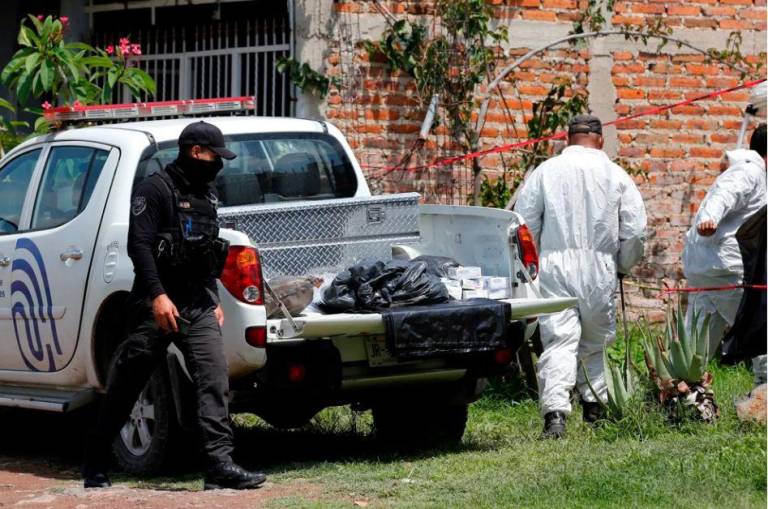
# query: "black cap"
(206, 135)
(585, 124)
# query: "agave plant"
(621, 383)
(677, 363)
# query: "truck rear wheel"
(145, 442)
(420, 424)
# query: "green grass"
(641, 461)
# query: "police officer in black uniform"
(177, 254)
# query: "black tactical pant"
(142, 352)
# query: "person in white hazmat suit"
(588, 219)
(711, 255)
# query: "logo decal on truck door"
(32, 310)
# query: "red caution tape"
(667, 291)
(510, 146)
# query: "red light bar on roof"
(149, 109)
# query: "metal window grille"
(220, 59)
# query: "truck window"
(68, 181)
(272, 168)
(14, 181)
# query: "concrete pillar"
(79, 24)
(314, 25)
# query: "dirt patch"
(44, 487)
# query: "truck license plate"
(378, 353)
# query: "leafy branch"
(306, 78)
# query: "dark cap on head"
(206, 135)
(585, 124)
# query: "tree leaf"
(46, 75)
(79, 45)
(7, 105)
(23, 37)
(31, 61)
(96, 61)
(24, 86)
(36, 23)
(112, 78)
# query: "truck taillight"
(528, 254)
(256, 336)
(242, 275)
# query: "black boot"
(592, 412)
(554, 425)
(232, 476)
(95, 478)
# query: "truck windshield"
(270, 168)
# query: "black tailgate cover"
(455, 327)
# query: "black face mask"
(198, 171)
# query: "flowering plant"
(55, 71)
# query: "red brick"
(654, 95)
(705, 152)
(533, 90)
(684, 82)
(736, 2)
(698, 69)
(688, 139)
(683, 10)
(623, 55)
(649, 81)
(629, 20)
(667, 152)
(559, 4)
(719, 11)
(758, 14)
(719, 109)
(634, 68)
(700, 23)
(403, 128)
(648, 9)
(381, 114)
(722, 138)
(369, 128)
(540, 15)
(620, 81)
(631, 152)
(630, 93)
(734, 24)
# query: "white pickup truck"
(294, 202)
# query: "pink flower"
(64, 20)
(109, 49)
(46, 105)
(40, 17)
(124, 42)
(136, 49)
(76, 104)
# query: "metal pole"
(627, 343)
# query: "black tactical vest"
(190, 247)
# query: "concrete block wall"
(676, 155)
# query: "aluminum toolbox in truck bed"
(317, 237)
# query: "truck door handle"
(4, 261)
(71, 253)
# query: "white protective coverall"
(588, 219)
(737, 193)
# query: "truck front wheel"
(144, 443)
(420, 424)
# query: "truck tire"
(145, 443)
(420, 424)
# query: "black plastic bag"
(377, 286)
(437, 265)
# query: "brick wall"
(677, 154)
